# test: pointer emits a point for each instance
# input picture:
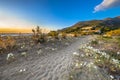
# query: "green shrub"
(94, 42)
(53, 34)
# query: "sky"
(54, 14)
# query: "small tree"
(38, 29)
(33, 31)
(38, 37)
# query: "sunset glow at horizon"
(10, 30)
(13, 24)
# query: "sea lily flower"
(112, 77)
(39, 52)
(76, 54)
(118, 53)
(10, 56)
(115, 61)
(24, 54)
(22, 70)
(76, 64)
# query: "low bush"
(53, 34)
(7, 44)
(38, 35)
(94, 42)
(114, 33)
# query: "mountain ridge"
(107, 23)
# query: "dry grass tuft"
(7, 43)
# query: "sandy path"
(54, 66)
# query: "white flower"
(66, 44)
(82, 55)
(95, 67)
(22, 46)
(81, 64)
(118, 53)
(10, 56)
(99, 60)
(112, 77)
(24, 54)
(107, 56)
(20, 70)
(90, 47)
(76, 64)
(53, 49)
(96, 57)
(39, 52)
(90, 64)
(71, 76)
(115, 61)
(24, 69)
(76, 54)
(103, 53)
(85, 63)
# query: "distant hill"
(94, 26)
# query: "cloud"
(106, 4)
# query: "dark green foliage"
(53, 34)
(94, 42)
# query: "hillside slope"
(94, 26)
